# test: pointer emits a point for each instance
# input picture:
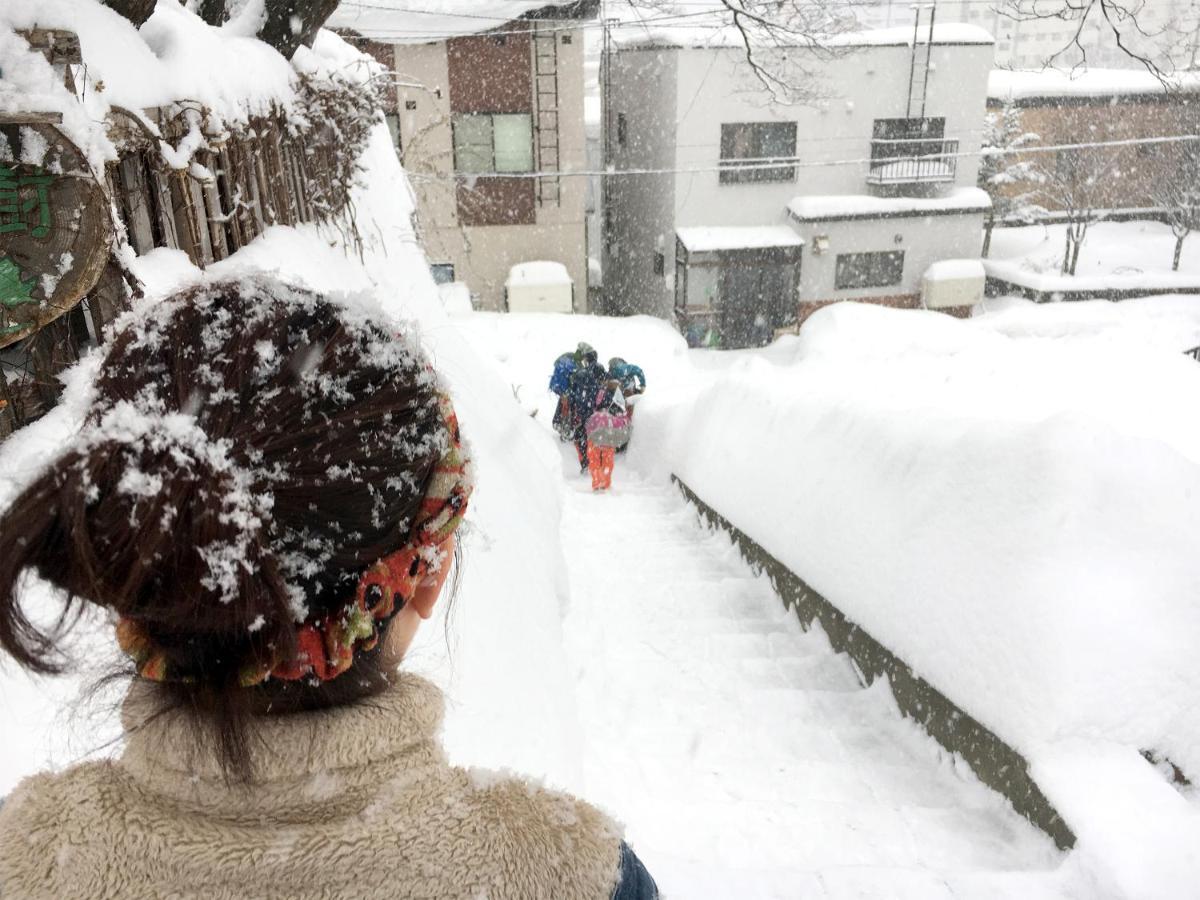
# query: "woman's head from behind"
(252, 450)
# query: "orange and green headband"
(326, 647)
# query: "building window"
(869, 270)
(393, 124)
(745, 145)
(660, 263)
(443, 273)
(493, 143)
(622, 129)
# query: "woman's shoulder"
(546, 843)
(38, 797)
(41, 818)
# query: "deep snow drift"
(1006, 502)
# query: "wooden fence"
(266, 172)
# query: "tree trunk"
(214, 12)
(1066, 263)
(136, 11)
(1178, 251)
(1077, 245)
(291, 23)
(987, 237)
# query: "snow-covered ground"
(1115, 256)
(1006, 502)
(745, 756)
(1169, 321)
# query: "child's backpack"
(560, 381)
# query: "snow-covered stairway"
(743, 754)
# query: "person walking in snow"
(588, 379)
(631, 377)
(560, 385)
(607, 430)
(268, 525)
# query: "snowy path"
(741, 752)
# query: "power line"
(777, 162)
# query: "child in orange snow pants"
(607, 429)
(600, 464)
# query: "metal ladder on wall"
(918, 73)
(545, 83)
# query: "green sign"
(25, 202)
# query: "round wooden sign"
(55, 229)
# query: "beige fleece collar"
(402, 721)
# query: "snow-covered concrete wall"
(923, 239)
(641, 208)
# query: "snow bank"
(854, 206)
(702, 239)
(538, 272)
(1116, 256)
(174, 57)
(1014, 517)
(718, 30)
(525, 346)
(1005, 84)
(1169, 321)
(955, 270)
(433, 20)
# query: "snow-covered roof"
(1004, 84)
(703, 239)
(956, 270)
(422, 21)
(538, 272)
(863, 206)
(719, 31)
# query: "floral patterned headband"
(326, 646)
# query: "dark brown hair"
(250, 448)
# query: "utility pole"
(1195, 34)
(605, 142)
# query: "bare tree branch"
(1158, 50)
(777, 37)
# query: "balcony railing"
(913, 161)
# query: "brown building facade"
(1127, 179)
(484, 124)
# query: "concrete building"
(483, 123)
(766, 211)
(1167, 29)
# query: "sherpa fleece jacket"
(352, 802)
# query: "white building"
(755, 213)
(1165, 30)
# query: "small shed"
(953, 284)
(539, 286)
(736, 284)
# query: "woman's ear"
(427, 594)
